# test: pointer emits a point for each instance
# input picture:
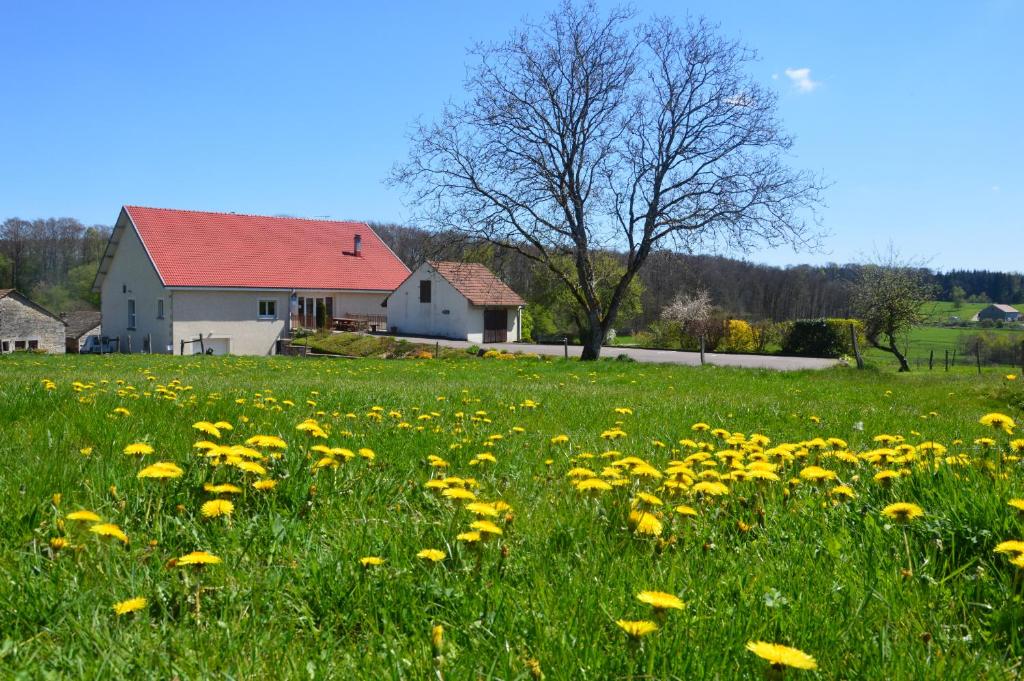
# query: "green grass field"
(789, 560)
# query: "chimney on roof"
(357, 247)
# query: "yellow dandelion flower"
(458, 493)
(686, 511)
(593, 485)
(198, 558)
(109, 530)
(480, 508)
(902, 511)
(224, 488)
(84, 515)
(780, 656)
(58, 543)
(138, 449)
(266, 442)
(371, 561)
(161, 469)
(486, 527)
(1017, 504)
(1011, 546)
(559, 439)
(130, 605)
(710, 488)
(263, 485)
(217, 507)
(659, 600)
(432, 555)
(637, 628)
(645, 523)
(469, 537)
(998, 421)
(208, 428)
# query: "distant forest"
(54, 261)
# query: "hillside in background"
(54, 261)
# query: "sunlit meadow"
(499, 518)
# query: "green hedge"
(821, 337)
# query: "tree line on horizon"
(54, 262)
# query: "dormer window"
(357, 246)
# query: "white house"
(238, 282)
(465, 301)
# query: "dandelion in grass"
(482, 509)
(1010, 546)
(264, 485)
(225, 488)
(593, 485)
(58, 543)
(1017, 446)
(371, 561)
(432, 555)
(709, 488)
(637, 629)
(138, 449)
(458, 493)
(998, 421)
(121, 411)
(208, 428)
(85, 516)
(902, 512)
(161, 470)
(1017, 504)
(660, 601)
(842, 493)
(266, 442)
(109, 530)
(560, 439)
(686, 511)
(217, 508)
(780, 656)
(129, 606)
(645, 523)
(469, 537)
(197, 558)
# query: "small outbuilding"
(80, 325)
(25, 325)
(463, 301)
(1000, 313)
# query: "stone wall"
(22, 323)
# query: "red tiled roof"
(477, 283)
(194, 248)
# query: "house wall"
(475, 326)
(230, 319)
(409, 316)
(21, 322)
(131, 276)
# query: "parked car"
(100, 345)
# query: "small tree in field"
(889, 297)
(587, 133)
(694, 313)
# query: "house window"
(19, 345)
(131, 313)
(425, 291)
(33, 345)
(268, 309)
(6, 346)
(159, 308)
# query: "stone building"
(25, 325)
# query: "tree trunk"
(894, 349)
(593, 340)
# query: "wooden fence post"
(437, 349)
(129, 345)
(565, 346)
(977, 355)
(931, 359)
(947, 360)
(856, 346)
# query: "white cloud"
(801, 79)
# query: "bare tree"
(889, 297)
(591, 132)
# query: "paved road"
(655, 356)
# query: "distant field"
(940, 311)
(315, 485)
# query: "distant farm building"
(1000, 313)
(465, 301)
(182, 281)
(24, 325)
(80, 325)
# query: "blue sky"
(913, 111)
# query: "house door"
(495, 326)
